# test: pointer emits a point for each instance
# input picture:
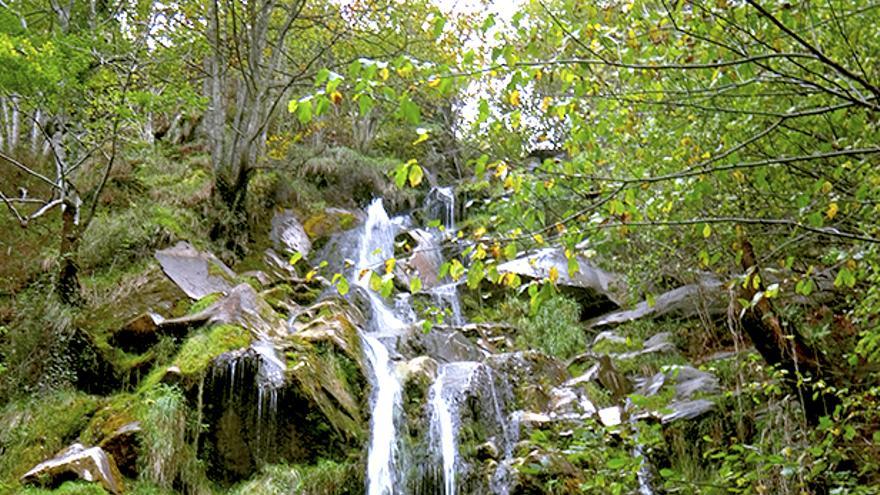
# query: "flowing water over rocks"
(444, 411)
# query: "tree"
(73, 73)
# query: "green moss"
(204, 303)
(33, 430)
(200, 349)
(324, 478)
(114, 413)
(68, 488)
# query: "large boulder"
(596, 290)
(124, 446)
(289, 235)
(423, 261)
(705, 297)
(289, 398)
(78, 462)
(196, 273)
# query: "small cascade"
(451, 379)
(440, 205)
(246, 385)
(376, 244)
(464, 394)
(446, 297)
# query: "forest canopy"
(668, 145)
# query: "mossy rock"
(199, 350)
(317, 410)
(34, 429)
(328, 222)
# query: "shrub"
(553, 329)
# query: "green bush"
(554, 328)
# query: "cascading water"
(451, 378)
(440, 205)
(376, 244)
(464, 395)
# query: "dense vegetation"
(671, 142)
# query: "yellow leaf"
(827, 187)
(434, 82)
(832, 211)
(336, 97)
(707, 231)
(538, 238)
(554, 274)
(423, 136)
(479, 232)
(501, 170)
(514, 97)
(311, 275)
(389, 265)
(545, 103)
(384, 73)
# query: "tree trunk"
(68, 276)
(782, 346)
(230, 225)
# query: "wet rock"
(688, 409)
(494, 338)
(242, 307)
(79, 462)
(570, 401)
(657, 344)
(608, 341)
(687, 381)
(610, 416)
(422, 368)
(596, 290)
(532, 375)
(707, 297)
(486, 451)
(123, 445)
(289, 398)
(139, 334)
(259, 277)
(443, 344)
(196, 273)
(288, 234)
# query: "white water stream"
(376, 244)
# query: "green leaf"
(415, 284)
(387, 287)
(365, 104)
(456, 270)
(295, 257)
(475, 275)
(304, 112)
(410, 110)
(400, 175)
(342, 286)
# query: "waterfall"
(376, 244)
(451, 380)
(446, 296)
(440, 205)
